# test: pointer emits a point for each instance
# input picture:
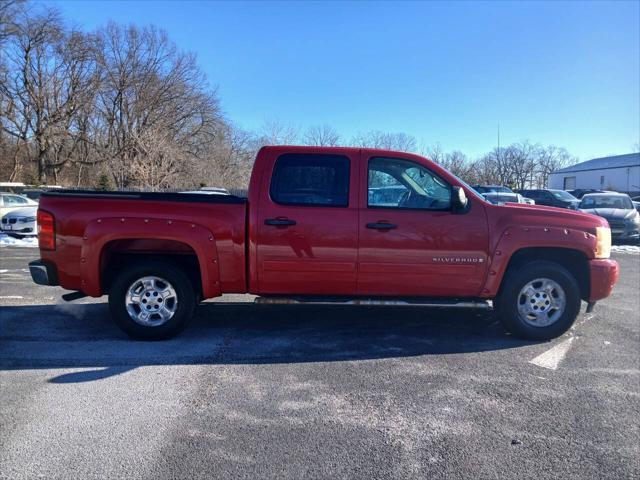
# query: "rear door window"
(311, 180)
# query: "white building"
(620, 173)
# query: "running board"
(479, 304)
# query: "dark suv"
(552, 198)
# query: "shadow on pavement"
(83, 336)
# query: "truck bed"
(92, 230)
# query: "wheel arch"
(574, 261)
(118, 254)
(111, 242)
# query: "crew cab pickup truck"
(344, 225)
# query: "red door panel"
(307, 249)
(426, 253)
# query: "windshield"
(562, 195)
(606, 201)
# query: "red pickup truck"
(345, 225)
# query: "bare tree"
(158, 165)
(9, 10)
(520, 161)
(229, 161)
(389, 141)
(549, 160)
(274, 132)
(28, 115)
(456, 162)
(321, 136)
(150, 86)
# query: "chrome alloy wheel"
(151, 301)
(541, 302)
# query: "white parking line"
(552, 357)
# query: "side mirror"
(458, 199)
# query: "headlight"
(603, 242)
(27, 219)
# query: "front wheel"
(539, 301)
(152, 300)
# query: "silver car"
(500, 198)
(618, 210)
(12, 201)
(20, 222)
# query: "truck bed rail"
(153, 196)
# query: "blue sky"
(557, 73)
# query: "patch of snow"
(7, 241)
(625, 248)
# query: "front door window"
(396, 183)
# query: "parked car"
(309, 231)
(618, 210)
(210, 191)
(491, 189)
(204, 192)
(494, 190)
(500, 198)
(552, 198)
(20, 222)
(219, 190)
(11, 201)
(581, 192)
(32, 193)
(390, 195)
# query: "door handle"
(381, 226)
(279, 222)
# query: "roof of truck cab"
(337, 150)
(313, 149)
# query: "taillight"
(46, 230)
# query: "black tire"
(507, 302)
(185, 305)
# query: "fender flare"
(518, 238)
(99, 232)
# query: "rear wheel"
(152, 300)
(539, 300)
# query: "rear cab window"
(312, 180)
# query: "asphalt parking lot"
(306, 392)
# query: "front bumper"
(43, 273)
(604, 274)
(18, 229)
(625, 235)
(12, 225)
